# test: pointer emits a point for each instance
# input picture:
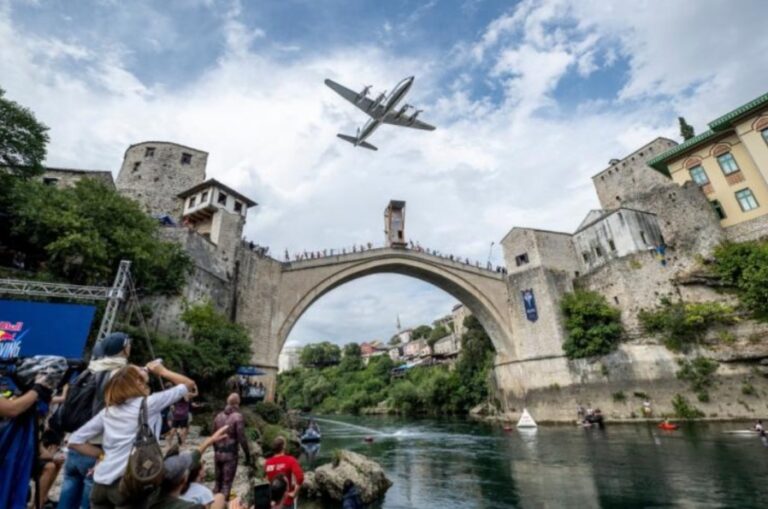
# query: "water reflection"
(458, 464)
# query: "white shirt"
(119, 425)
(198, 493)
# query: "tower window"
(642, 237)
(136, 166)
(598, 251)
(186, 158)
(222, 199)
(699, 175)
(192, 202)
(149, 152)
(764, 132)
(718, 208)
(611, 245)
(521, 259)
(238, 206)
(727, 163)
(746, 200)
(585, 255)
(204, 197)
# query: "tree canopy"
(318, 355)
(82, 232)
(23, 139)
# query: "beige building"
(729, 162)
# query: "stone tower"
(154, 173)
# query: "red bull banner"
(42, 328)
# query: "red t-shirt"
(289, 467)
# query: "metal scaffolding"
(114, 295)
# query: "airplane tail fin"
(354, 141)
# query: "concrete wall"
(159, 178)
(630, 176)
(617, 234)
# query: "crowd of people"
(104, 432)
(415, 246)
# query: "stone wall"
(753, 229)
(630, 176)
(211, 279)
(552, 388)
(543, 337)
(65, 177)
(553, 250)
(156, 180)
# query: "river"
(457, 464)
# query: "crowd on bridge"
(414, 246)
(118, 442)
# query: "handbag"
(144, 471)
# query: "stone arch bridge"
(272, 296)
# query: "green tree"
(686, 130)
(23, 139)
(352, 359)
(318, 355)
(439, 332)
(81, 233)
(218, 345)
(593, 327)
(422, 331)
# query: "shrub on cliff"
(593, 326)
(699, 373)
(682, 324)
(744, 266)
(684, 409)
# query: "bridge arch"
(483, 292)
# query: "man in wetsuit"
(226, 451)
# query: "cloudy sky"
(530, 98)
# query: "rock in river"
(328, 479)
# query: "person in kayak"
(759, 428)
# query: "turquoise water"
(462, 464)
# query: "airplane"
(382, 110)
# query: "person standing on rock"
(285, 464)
(226, 451)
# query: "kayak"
(741, 432)
(668, 426)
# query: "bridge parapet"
(383, 252)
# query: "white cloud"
(269, 125)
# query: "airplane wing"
(363, 103)
(405, 121)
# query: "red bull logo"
(10, 340)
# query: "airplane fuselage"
(389, 104)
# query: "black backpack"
(85, 398)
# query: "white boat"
(526, 421)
